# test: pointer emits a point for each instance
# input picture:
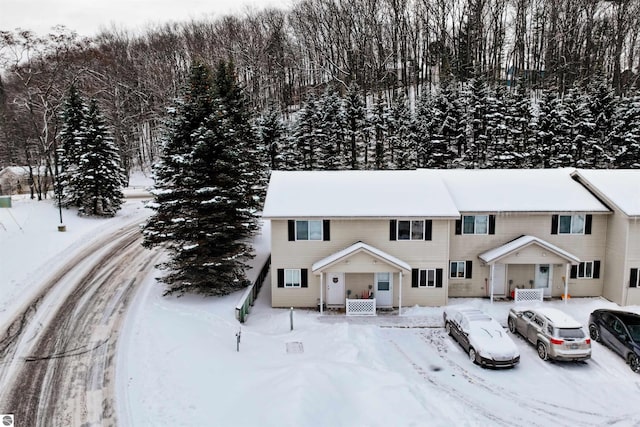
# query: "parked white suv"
(555, 334)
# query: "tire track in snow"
(65, 375)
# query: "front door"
(384, 290)
(499, 275)
(335, 289)
(543, 278)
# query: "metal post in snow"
(238, 340)
(291, 318)
(491, 287)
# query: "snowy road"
(58, 353)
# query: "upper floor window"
(410, 229)
(571, 224)
(475, 224)
(309, 229)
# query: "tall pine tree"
(206, 215)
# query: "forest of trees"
(356, 84)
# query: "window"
(633, 278)
(475, 224)
(411, 230)
(571, 224)
(308, 230)
(292, 278)
(585, 270)
(457, 268)
(427, 278)
(384, 281)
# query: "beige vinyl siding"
(509, 226)
(633, 261)
(344, 233)
(616, 275)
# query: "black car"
(620, 331)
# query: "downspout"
(400, 296)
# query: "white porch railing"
(361, 307)
(526, 295)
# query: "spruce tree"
(356, 127)
(70, 146)
(206, 215)
(270, 131)
(379, 126)
(306, 135)
(99, 177)
(626, 133)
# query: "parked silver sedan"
(555, 334)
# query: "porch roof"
(494, 255)
(357, 248)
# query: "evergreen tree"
(401, 135)
(330, 132)
(478, 101)
(99, 177)
(306, 134)
(70, 146)
(602, 103)
(270, 131)
(206, 216)
(378, 123)
(433, 112)
(356, 127)
(626, 133)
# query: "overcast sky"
(87, 17)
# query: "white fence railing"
(526, 295)
(361, 307)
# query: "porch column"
(400, 295)
(491, 286)
(321, 291)
(566, 282)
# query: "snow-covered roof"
(359, 247)
(517, 190)
(496, 254)
(343, 194)
(619, 186)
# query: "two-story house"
(417, 237)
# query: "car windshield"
(634, 330)
(570, 333)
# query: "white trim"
(494, 255)
(399, 295)
(358, 247)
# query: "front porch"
(528, 264)
(360, 279)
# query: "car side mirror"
(623, 337)
(519, 314)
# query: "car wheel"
(594, 332)
(512, 325)
(472, 355)
(634, 363)
(542, 351)
(447, 327)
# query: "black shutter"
(458, 226)
(633, 279)
(596, 269)
(554, 224)
(428, 229)
(281, 277)
(574, 272)
(303, 278)
(467, 269)
(326, 230)
(392, 229)
(438, 277)
(492, 224)
(292, 230)
(414, 277)
(587, 224)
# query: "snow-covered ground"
(178, 363)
